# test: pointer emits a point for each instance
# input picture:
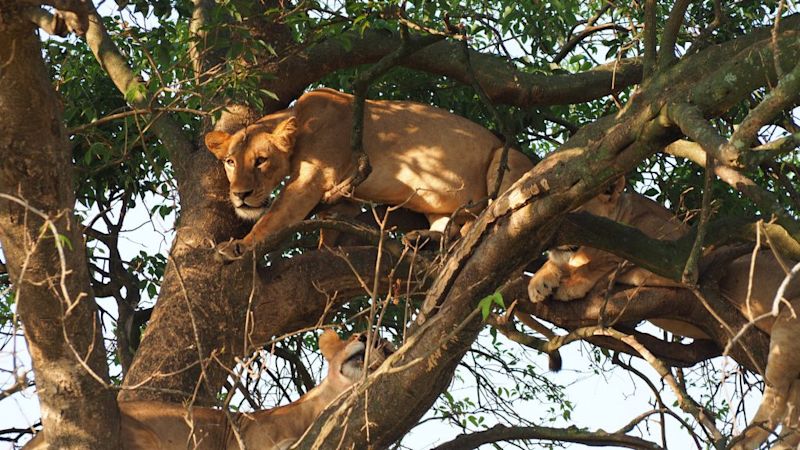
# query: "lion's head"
(346, 357)
(256, 161)
(606, 203)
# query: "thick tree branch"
(764, 199)
(499, 433)
(650, 37)
(745, 71)
(503, 82)
(71, 16)
(782, 97)
(51, 280)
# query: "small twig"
(719, 19)
(506, 130)
(685, 402)
(587, 31)
(650, 38)
(136, 112)
(782, 289)
(690, 272)
(408, 46)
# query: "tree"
(591, 91)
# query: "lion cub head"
(346, 357)
(256, 162)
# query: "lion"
(567, 270)
(571, 274)
(149, 425)
(422, 157)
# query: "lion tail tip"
(555, 362)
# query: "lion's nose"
(243, 194)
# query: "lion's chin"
(250, 213)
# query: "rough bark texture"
(57, 309)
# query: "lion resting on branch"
(750, 283)
(422, 157)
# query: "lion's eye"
(229, 162)
(260, 161)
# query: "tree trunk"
(53, 294)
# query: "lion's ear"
(217, 143)
(330, 344)
(613, 191)
(286, 132)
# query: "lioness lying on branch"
(571, 273)
(425, 158)
(166, 426)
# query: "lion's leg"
(588, 267)
(789, 438)
(637, 276)
(783, 368)
(339, 210)
(436, 231)
(291, 206)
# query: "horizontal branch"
(500, 433)
(503, 82)
(663, 257)
(627, 306)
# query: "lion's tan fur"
(572, 274)
(425, 158)
(150, 425)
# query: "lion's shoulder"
(650, 217)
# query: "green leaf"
(135, 92)
(486, 303)
(64, 241)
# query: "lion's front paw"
(233, 249)
(543, 283)
(573, 288)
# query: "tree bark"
(53, 294)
